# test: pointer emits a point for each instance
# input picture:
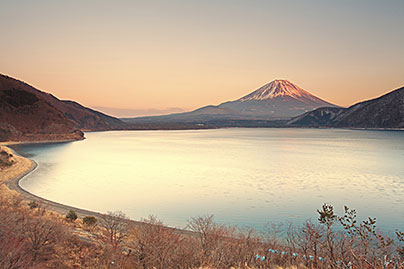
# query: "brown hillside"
(82, 118)
(25, 115)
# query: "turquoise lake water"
(246, 177)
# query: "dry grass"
(19, 167)
(117, 243)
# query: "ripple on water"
(240, 175)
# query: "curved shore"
(22, 167)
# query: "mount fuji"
(277, 100)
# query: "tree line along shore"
(37, 233)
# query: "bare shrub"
(37, 238)
(12, 244)
(41, 236)
(154, 245)
(33, 205)
(71, 215)
(115, 226)
(89, 220)
(222, 246)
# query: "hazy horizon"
(154, 57)
(127, 112)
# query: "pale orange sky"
(187, 54)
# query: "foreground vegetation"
(33, 237)
(6, 159)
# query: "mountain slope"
(386, 111)
(89, 119)
(29, 114)
(82, 117)
(25, 116)
(323, 116)
(277, 100)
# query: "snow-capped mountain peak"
(279, 88)
(277, 100)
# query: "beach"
(21, 167)
(9, 176)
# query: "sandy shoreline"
(22, 167)
(11, 176)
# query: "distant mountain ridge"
(386, 111)
(29, 114)
(277, 100)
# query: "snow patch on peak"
(280, 88)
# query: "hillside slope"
(386, 111)
(29, 114)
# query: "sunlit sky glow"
(173, 55)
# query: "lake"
(246, 177)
